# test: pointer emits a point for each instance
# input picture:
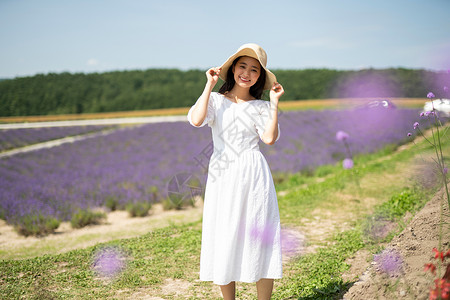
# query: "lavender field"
(135, 164)
(14, 138)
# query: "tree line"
(67, 93)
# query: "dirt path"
(106, 121)
(57, 142)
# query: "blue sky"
(96, 36)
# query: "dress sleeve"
(210, 114)
(263, 118)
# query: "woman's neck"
(238, 93)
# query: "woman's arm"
(201, 108)
(271, 131)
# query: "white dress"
(241, 221)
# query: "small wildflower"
(291, 241)
(416, 124)
(109, 262)
(342, 135)
(389, 261)
(409, 134)
(439, 254)
(378, 228)
(430, 95)
(422, 114)
(441, 290)
(264, 235)
(430, 267)
(347, 163)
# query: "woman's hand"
(276, 92)
(213, 75)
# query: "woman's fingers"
(214, 71)
(276, 87)
(212, 75)
(276, 91)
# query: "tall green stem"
(442, 166)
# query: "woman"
(241, 223)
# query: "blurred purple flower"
(430, 95)
(342, 135)
(347, 163)
(264, 234)
(389, 261)
(291, 241)
(445, 170)
(378, 228)
(430, 113)
(409, 134)
(416, 124)
(109, 262)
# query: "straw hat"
(251, 50)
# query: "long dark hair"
(256, 90)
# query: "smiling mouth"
(244, 80)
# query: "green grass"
(318, 275)
(310, 191)
(173, 252)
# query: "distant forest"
(67, 93)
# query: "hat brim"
(270, 77)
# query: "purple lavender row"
(308, 138)
(15, 138)
(122, 166)
(130, 164)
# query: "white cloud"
(92, 62)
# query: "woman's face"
(246, 71)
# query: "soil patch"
(409, 252)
